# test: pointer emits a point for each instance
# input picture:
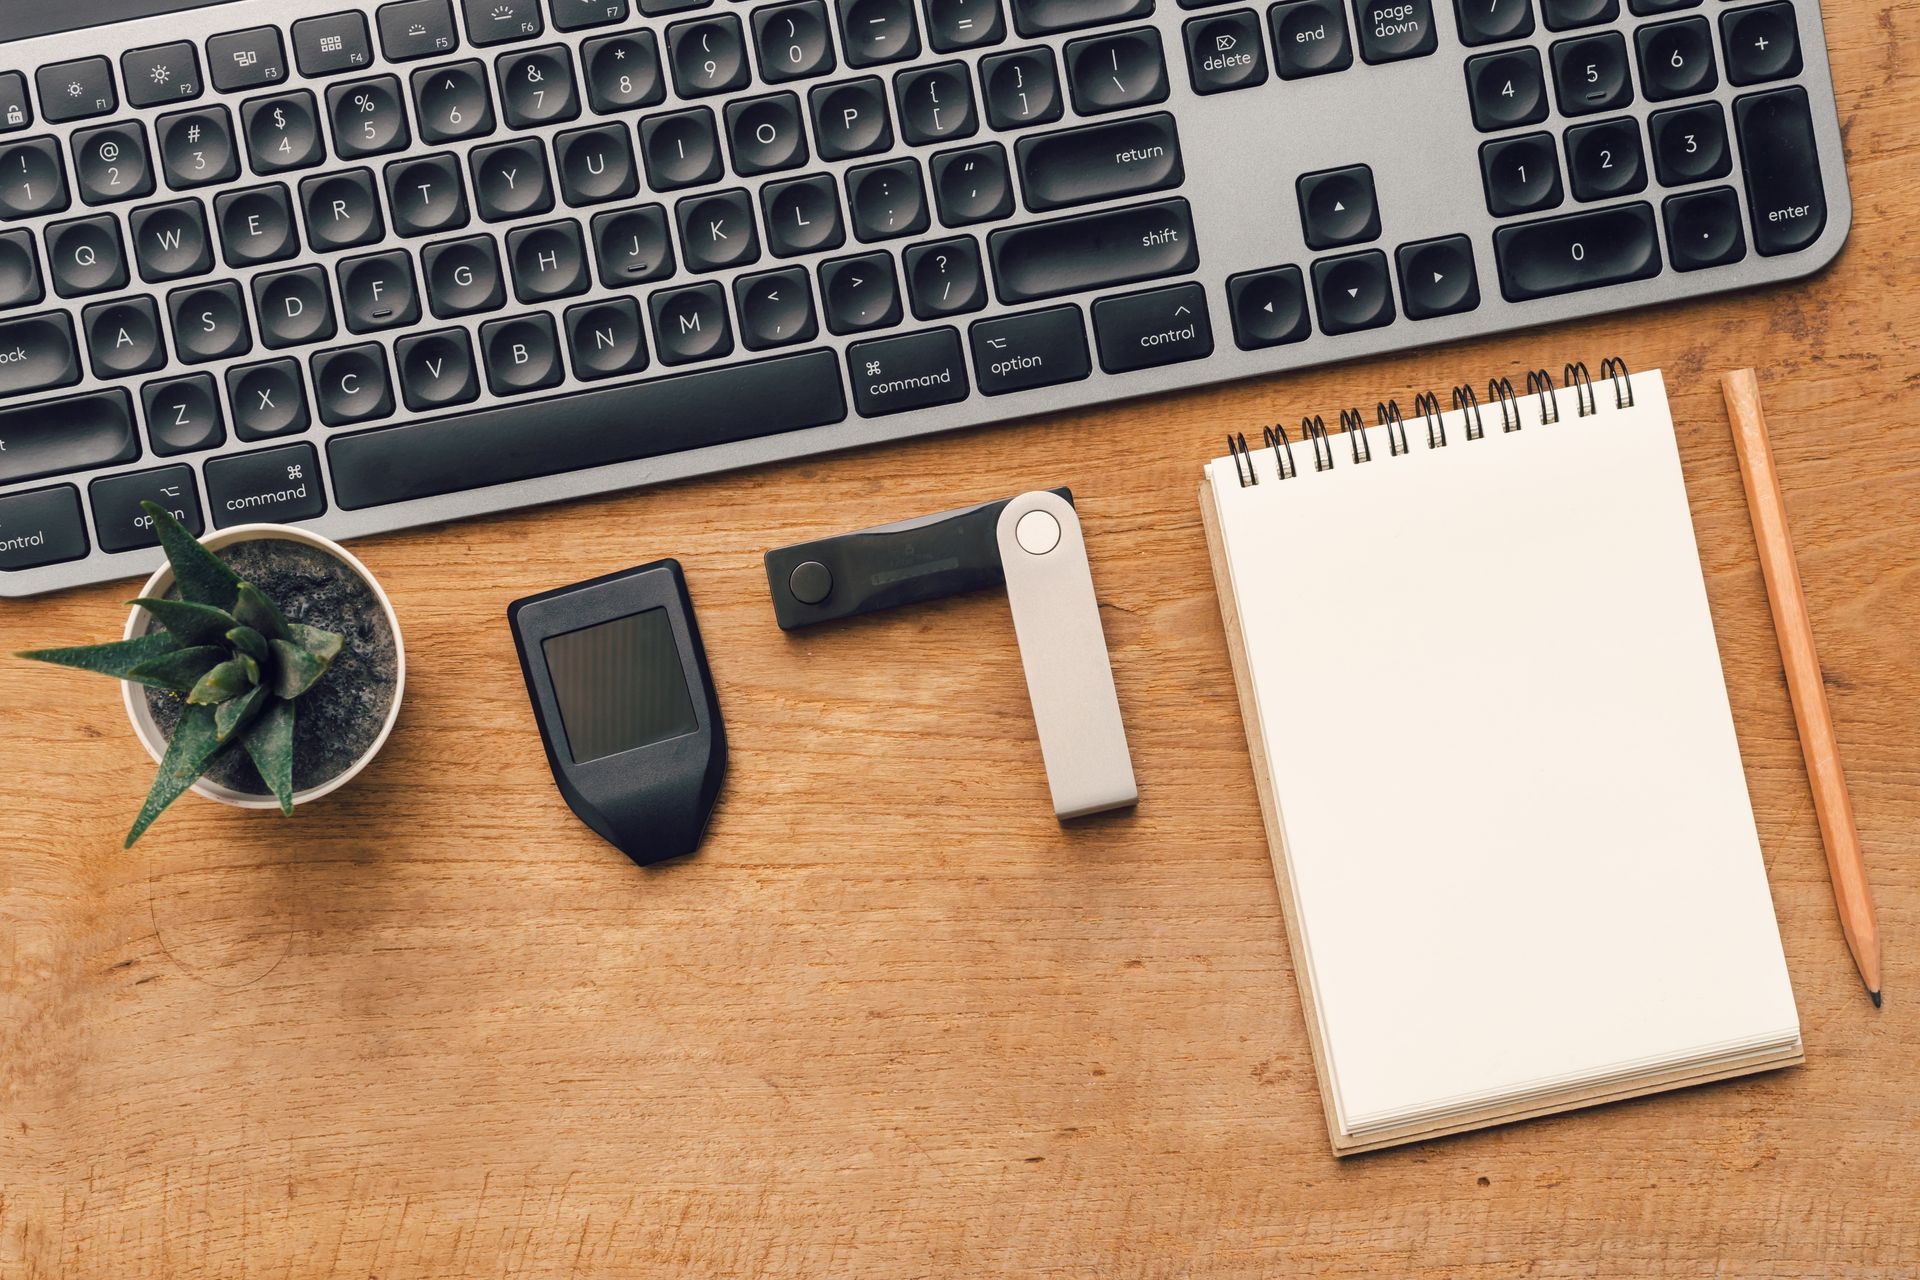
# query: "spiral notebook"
(1495, 758)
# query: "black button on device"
(1352, 292)
(352, 385)
(16, 107)
(1492, 21)
(85, 256)
(282, 132)
(75, 434)
(1225, 51)
(1100, 161)
(1782, 169)
(811, 582)
(877, 31)
(40, 353)
(1690, 144)
(1114, 72)
(499, 21)
(20, 283)
(972, 184)
(32, 179)
(266, 486)
(269, 399)
(294, 307)
(1031, 349)
(793, 42)
(1393, 30)
(1703, 229)
(1521, 174)
(859, 293)
(246, 59)
(537, 87)
(1337, 207)
(76, 90)
(908, 371)
(124, 337)
(680, 148)
(945, 278)
(183, 414)
(1044, 17)
(1604, 159)
(886, 201)
(1093, 250)
(1269, 308)
(1590, 74)
(583, 15)
(118, 519)
(623, 72)
(41, 528)
(849, 118)
(1437, 277)
(437, 369)
(953, 25)
(110, 163)
(1309, 38)
(521, 354)
(776, 309)
(330, 44)
(1021, 87)
(1565, 15)
(1153, 327)
(1577, 251)
(1762, 43)
(162, 73)
(1506, 89)
(256, 226)
(936, 103)
(411, 29)
(1676, 58)
(690, 323)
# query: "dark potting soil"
(337, 720)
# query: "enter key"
(1100, 161)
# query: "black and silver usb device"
(626, 707)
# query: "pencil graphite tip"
(1876, 998)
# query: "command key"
(272, 486)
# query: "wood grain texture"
(893, 1021)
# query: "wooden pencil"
(1806, 686)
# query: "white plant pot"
(135, 695)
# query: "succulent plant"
(227, 650)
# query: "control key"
(40, 528)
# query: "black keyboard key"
(850, 118)
(1352, 292)
(1577, 251)
(437, 369)
(776, 309)
(110, 163)
(1492, 21)
(1590, 74)
(972, 184)
(631, 246)
(802, 215)
(209, 322)
(1309, 38)
(368, 117)
(1100, 161)
(584, 15)
(33, 180)
(463, 277)
(1565, 15)
(267, 486)
(163, 73)
(1269, 308)
(606, 339)
(1676, 59)
(20, 283)
(953, 25)
(1021, 88)
(123, 338)
(511, 179)
(1703, 229)
(521, 354)
(792, 41)
(859, 293)
(596, 165)
(708, 55)
(765, 134)
(547, 261)
(452, 103)
(873, 32)
(1604, 159)
(1395, 30)
(352, 384)
(681, 148)
(124, 525)
(537, 87)
(269, 399)
(283, 132)
(256, 225)
(170, 241)
(426, 195)
(332, 43)
(37, 352)
(1030, 349)
(911, 371)
(78, 433)
(717, 231)
(294, 307)
(886, 200)
(499, 21)
(76, 90)
(1225, 51)
(183, 414)
(197, 148)
(936, 103)
(1437, 277)
(623, 72)
(1152, 328)
(1690, 144)
(497, 446)
(377, 291)
(1762, 43)
(1782, 169)
(41, 528)
(1114, 72)
(411, 29)
(1338, 207)
(342, 211)
(945, 278)
(1506, 89)
(250, 59)
(85, 256)
(1093, 250)
(1643, 8)
(16, 104)
(1521, 174)
(690, 323)
(1044, 17)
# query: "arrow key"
(1269, 307)
(1352, 292)
(1437, 277)
(1337, 207)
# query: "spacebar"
(590, 429)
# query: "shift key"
(55, 437)
(1093, 250)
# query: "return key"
(1100, 161)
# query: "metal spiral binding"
(1388, 416)
(1468, 406)
(1427, 405)
(1540, 383)
(1354, 428)
(1242, 460)
(1580, 382)
(1501, 390)
(1614, 369)
(1315, 430)
(1275, 438)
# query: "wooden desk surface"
(893, 1021)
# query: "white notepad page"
(1504, 762)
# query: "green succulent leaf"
(299, 664)
(202, 577)
(250, 642)
(228, 680)
(270, 743)
(234, 713)
(194, 745)
(324, 645)
(118, 659)
(253, 609)
(192, 624)
(180, 670)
